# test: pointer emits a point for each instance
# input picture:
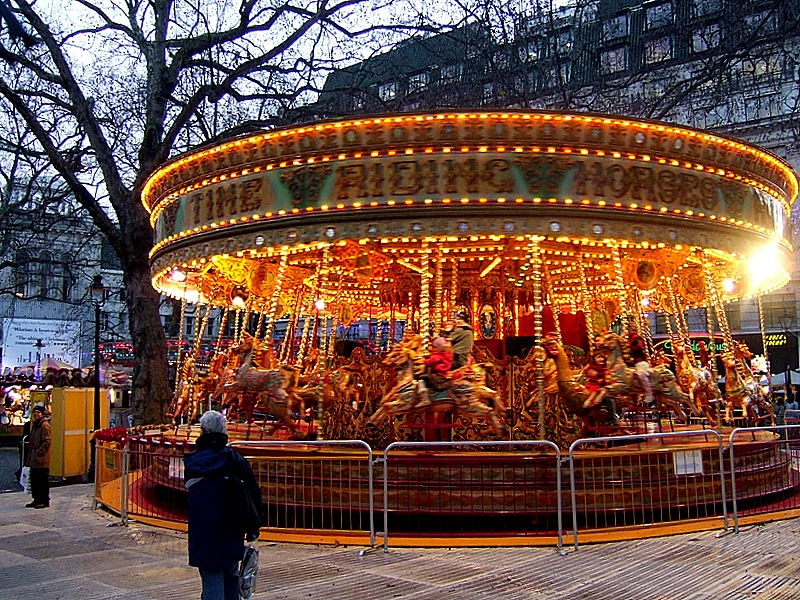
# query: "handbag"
(248, 571)
(25, 479)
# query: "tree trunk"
(151, 391)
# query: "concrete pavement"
(71, 552)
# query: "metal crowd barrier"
(311, 486)
(764, 472)
(494, 489)
(489, 490)
(619, 487)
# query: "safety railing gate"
(765, 470)
(111, 477)
(502, 488)
(154, 476)
(315, 486)
(645, 480)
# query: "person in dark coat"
(216, 544)
(38, 458)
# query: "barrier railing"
(764, 470)
(154, 480)
(672, 481)
(313, 486)
(480, 492)
(490, 488)
(110, 477)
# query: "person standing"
(462, 338)
(216, 543)
(39, 458)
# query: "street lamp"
(98, 294)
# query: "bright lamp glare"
(192, 296)
(764, 267)
(728, 286)
(319, 304)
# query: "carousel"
(560, 238)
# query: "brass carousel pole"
(425, 297)
(276, 294)
(536, 275)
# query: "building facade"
(52, 254)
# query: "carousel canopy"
(385, 213)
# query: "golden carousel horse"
(697, 381)
(625, 385)
(463, 397)
(268, 385)
(741, 387)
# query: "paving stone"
(72, 552)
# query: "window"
(657, 50)
(616, 27)
(417, 81)
(22, 274)
(614, 61)
(659, 15)
(762, 23)
(387, 91)
(757, 68)
(701, 8)
(529, 51)
(488, 92)
(46, 275)
(706, 38)
(450, 73)
(563, 41)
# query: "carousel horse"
(462, 397)
(594, 411)
(697, 381)
(624, 384)
(741, 386)
(759, 399)
(736, 392)
(268, 384)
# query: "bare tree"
(121, 87)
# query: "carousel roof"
(377, 212)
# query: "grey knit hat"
(213, 422)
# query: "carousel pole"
(275, 297)
(620, 285)
(536, 275)
(586, 298)
(438, 294)
(548, 292)
(453, 289)
(179, 357)
(712, 351)
(223, 320)
(425, 297)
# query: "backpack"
(240, 506)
